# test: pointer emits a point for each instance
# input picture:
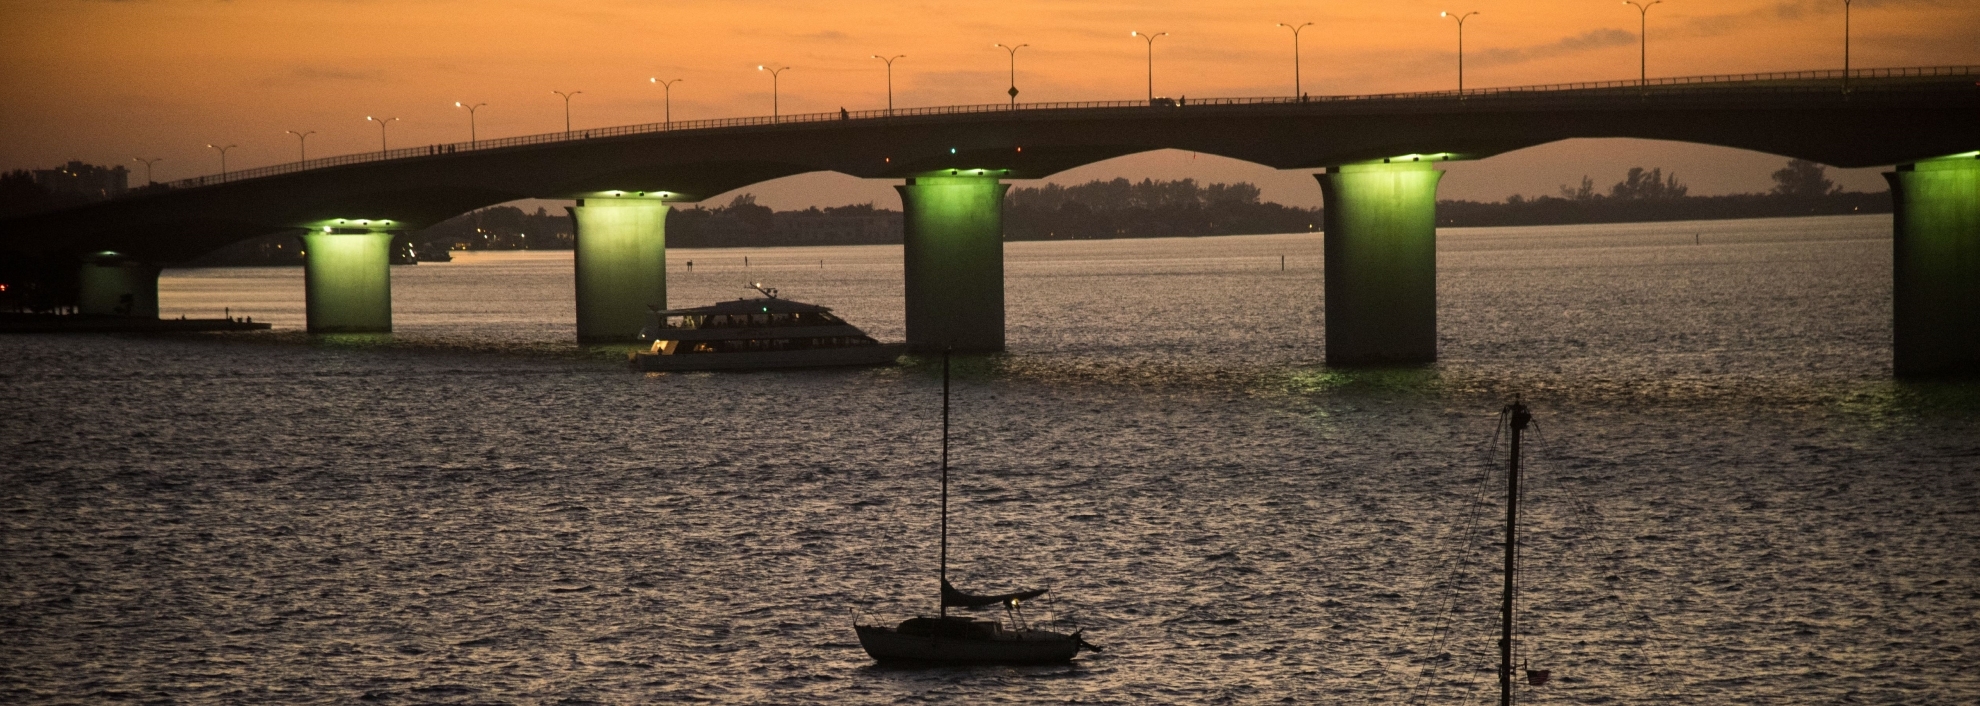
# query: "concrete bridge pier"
(118, 286)
(1935, 307)
(1381, 263)
(621, 254)
(953, 261)
(347, 280)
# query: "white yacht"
(763, 332)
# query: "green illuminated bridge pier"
(1374, 158)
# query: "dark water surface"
(1730, 501)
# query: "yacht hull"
(885, 644)
(882, 354)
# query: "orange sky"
(107, 81)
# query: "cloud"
(322, 73)
(1586, 41)
(1787, 11)
(307, 75)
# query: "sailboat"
(961, 639)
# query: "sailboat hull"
(886, 644)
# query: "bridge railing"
(1663, 85)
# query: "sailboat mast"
(939, 590)
(1519, 418)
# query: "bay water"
(1729, 499)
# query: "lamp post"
(1151, 59)
(1643, 31)
(890, 79)
(567, 110)
(1460, 21)
(1845, 46)
(382, 122)
(667, 94)
(147, 167)
(773, 87)
(1295, 30)
(302, 143)
(472, 138)
(223, 158)
(1013, 51)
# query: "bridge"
(1374, 158)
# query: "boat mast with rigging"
(1518, 417)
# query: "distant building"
(86, 180)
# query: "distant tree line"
(1147, 209)
(746, 223)
(1801, 188)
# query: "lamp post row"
(1643, 79)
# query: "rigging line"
(1448, 580)
(1467, 534)
(1448, 576)
(1522, 648)
(1478, 533)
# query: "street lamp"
(382, 122)
(1845, 46)
(1013, 51)
(1151, 59)
(1460, 21)
(1296, 92)
(470, 109)
(223, 158)
(1643, 31)
(773, 87)
(302, 143)
(567, 110)
(667, 93)
(890, 78)
(147, 167)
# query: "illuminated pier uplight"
(1935, 272)
(347, 275)
(953, 259)
(1381, 261)
(621, 262)
(114, 285)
